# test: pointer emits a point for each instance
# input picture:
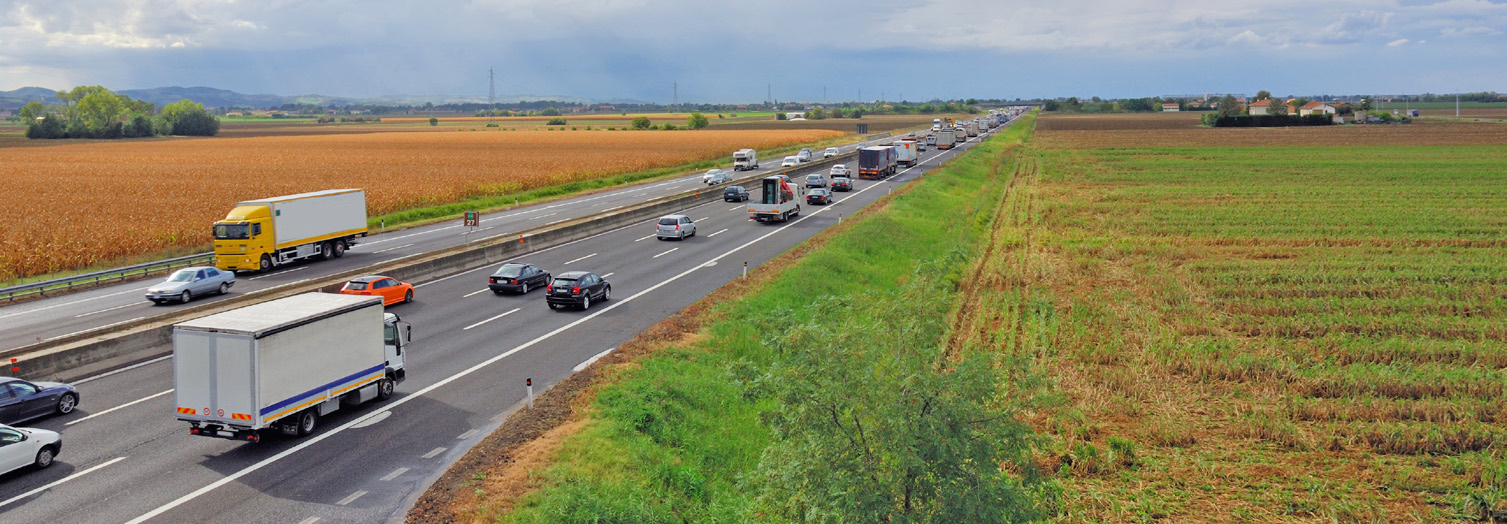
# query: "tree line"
(96, 112)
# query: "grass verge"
(705, 423)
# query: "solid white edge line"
(122, 406)
(54, 484)
(591, 360)
(317, 438)
(44, 308)
(121, 370)
(515, 310)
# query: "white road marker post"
(529, 383)
(745, 270)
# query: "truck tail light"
(193, 431)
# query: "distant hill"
(212, 97)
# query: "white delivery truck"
(745, 160)
(907, 152)
(777, 203)
(284, 363)
(260, 234)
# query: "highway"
(125, 459)
(39, 320)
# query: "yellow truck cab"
(259, 235)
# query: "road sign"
(472, 219)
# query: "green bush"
(432, 121)
(641, 122)
(555, 122)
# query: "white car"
(674, 226)
(831, 152)
(21, 447)
(716, 176)
(840, 170)
(791, 161)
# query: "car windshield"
(668, 221)
(510, 270)
(356, 286)
(183, 275)
(232, 231)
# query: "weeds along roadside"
(726, 422)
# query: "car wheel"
(384, 389)
(266, 264)
(525, 288)
(607, 294)
(185, 297)
(44, 458)
(586, 302)
(340, 248)
(553, 306)
(66, 403)
(307, 421)
(224, 288)
(497, 292)
(408, 297)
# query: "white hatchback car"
(790, 161)
(675, 226)
(830, 152)
(840, 170)
(716, 176)
(21, 447)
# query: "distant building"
(1316, 107)
(1170, 107)
(1260, 107)
(742, 108)
(795, 116)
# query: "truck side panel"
(213, 375)
(310, 219)
(314, 362)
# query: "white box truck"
(777, 203)
(260, 234)
(907, 152)
(745, 160)
(945, 138)
(284, 363)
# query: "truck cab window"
(256, 229)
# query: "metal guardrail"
(97, 277)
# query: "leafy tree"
(696, 121)
(1262, 95)
(882, 423)
(779, 116)
(99, 109)
(434, 121)
(1365, 105)
(190, 119)
(549, 111)
(32, 111)
(971, 101)
(817, 113)
(1228, 106)
(1301, 101)
(641, 122)
(1050, 105)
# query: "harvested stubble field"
(76, 204)
(1260, 334)
(876, 123)
(1182, 130)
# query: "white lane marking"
(319, 437)
(591, 360)
(702, 218)
(425, 232)
(104, 310)
(93, 328)
(373, 420)
(46, 487)
(391, 248)
(473, 293)
(717, 233)
(467, 434)
(395, 473)
(433, 452)
(739, 207)
(646, 238)
(122, 406)
(557, 221)
(121, 370)
(350, 498)
(610, 208)
(542, 216)
(608, 275)
(582, 258)
(43, 308)
(310, 520)
(290, 270)
(666, 253)
(515, 310)
(531, 253)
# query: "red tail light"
(677, 227)
(549, 289)
(575, 290)
(491, 281)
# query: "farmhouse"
(1169, 107)
(1315, 107)
(1260, 107)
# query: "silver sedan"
(185, 284)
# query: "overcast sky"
(729, 51)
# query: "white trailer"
(745, 160)
(284, 363)
(907, 152)
(260, 234)
(777, 202)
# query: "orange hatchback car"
(390, 289)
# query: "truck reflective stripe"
(321, 389)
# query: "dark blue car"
(21, 400)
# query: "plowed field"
(76, 204)
(1181, 130)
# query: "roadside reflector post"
(745, 270)
(529, 383)
(13, 367)
(839, 218)
(520, 238)
(384, 225)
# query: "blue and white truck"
(284, 363)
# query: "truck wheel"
(340, 248)
(326, 251)
(384, 389)
(266, 263)
(307, 421)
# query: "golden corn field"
(76, 204)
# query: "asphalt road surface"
(125, 458)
